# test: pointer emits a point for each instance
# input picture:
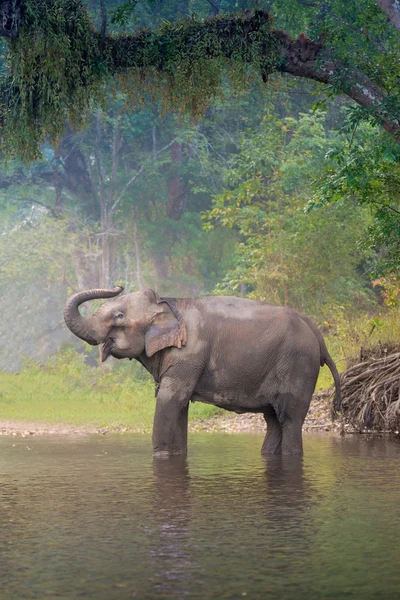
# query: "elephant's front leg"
(170, 420)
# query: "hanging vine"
(58, 65)
(51, 73)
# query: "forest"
(268, 168)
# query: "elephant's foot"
(274, 450)
(293, 452)
(167, 453)
(270, 451)
(285, 438)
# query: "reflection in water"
(171, 511)
(99, 518)
(287, 489)
(288, 500)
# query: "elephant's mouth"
(107, 348)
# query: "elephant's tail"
(337, 402)
(326, 359)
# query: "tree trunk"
(161, 267)
(392, 10)
(108, 199)
(139, 274)
(184, 8)
(104, 225)
(177, 195)
(154, 145)
(215, 7)
(57, 180)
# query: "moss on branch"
(59, 65)
(51, 72)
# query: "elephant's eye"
(119, 316)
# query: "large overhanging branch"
(300, 58)
(310, 60)
(392, 10)
(182, 63)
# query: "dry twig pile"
(371, 391)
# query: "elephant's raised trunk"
(81, 327)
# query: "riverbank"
(318, 420)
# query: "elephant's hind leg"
(291, 413)
(273, 439)
(292, 442)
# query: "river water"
(97, 517)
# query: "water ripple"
(99, 518)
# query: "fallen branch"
(371, 392)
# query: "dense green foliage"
(366, 170)
(287, 255)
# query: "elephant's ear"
(168, 327)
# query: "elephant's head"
(128, 325)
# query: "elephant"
(235, 353)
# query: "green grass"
(68, 391)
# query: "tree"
(286, 255)
(354, 52)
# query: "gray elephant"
(239, 354)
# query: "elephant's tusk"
(106, 349)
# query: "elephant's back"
(241, 316)
(242, 309)
(238, 327)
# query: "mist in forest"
(234, 203)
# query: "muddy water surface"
(97, 517)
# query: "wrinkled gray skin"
(235, 353)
